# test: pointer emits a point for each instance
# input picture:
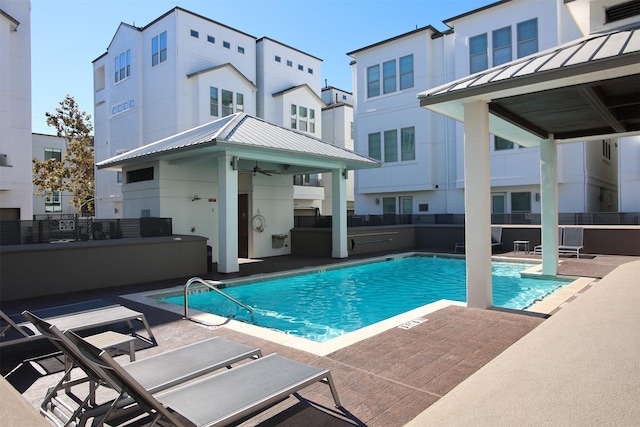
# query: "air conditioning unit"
(3, 160)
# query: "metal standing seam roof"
(585, 89)
(241, 130)
(581, 52)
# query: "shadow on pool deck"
(386, 380)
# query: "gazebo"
(585, 90)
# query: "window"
(478, 53)
(502, 144)
(195, 34)
(373, 81)
(213, 101)
(302, 120)
(53, 202)
(226, 45)
(310, 70)
(501, 46)
(239, 102)
(289, 63)
(527, 37)
(606, 149)
(240, 49)
(122, 66)
(53, 153)
(374, 146)
(138, 175)
(389, 76)
(389, 205)
(278, 59)
(390, 146)
(312, 120)
(211, 39)
(406, 72)
(300, 67)
(294, 116)
(159, 49)
(521, 202)
(408, 144)
(227, 102)
(119, 177)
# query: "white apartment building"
(16, 181)
(50, 147)
(145, 91)
(422, 152)
(337, 128)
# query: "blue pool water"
(324, 305)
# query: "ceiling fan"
(257, 169)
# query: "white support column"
(227, 216)
(549, 205)
(339, 214)
(477, 200)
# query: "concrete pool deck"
(580, 364)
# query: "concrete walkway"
(581, 367)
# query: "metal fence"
(594, 218)
(67, 227)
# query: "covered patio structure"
(586, 90)
(199, 174)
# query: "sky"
(67, 35)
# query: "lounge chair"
(77, 317)
(219, 399)
(154, 374)
(537, 249)
(496, 239)
(572, 241)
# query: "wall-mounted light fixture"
(345, 173)
(377, 201)
(196, 197)
(234, 163)
(537, 197)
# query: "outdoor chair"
(572, 241)
(537, 249)
(220, 399)
(155, 373)
(496, 239)
(77, 317)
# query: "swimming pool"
(327, 304)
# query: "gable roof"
(220, 67)
(588, 88)
(241, 132)
(295, 88)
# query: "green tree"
(75, 172)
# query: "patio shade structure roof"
(587, 89)
(249, 138)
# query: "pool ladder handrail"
(211, 285)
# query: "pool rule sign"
(66, 225)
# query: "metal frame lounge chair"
(572, 241)
(496, 239)
(537, 249)
(154, 374)
(86, 315)
(219, 399)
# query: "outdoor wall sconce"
(377, 201)
(234, 163)
(196, 197)
(345, 173)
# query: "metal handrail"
(210, 284)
